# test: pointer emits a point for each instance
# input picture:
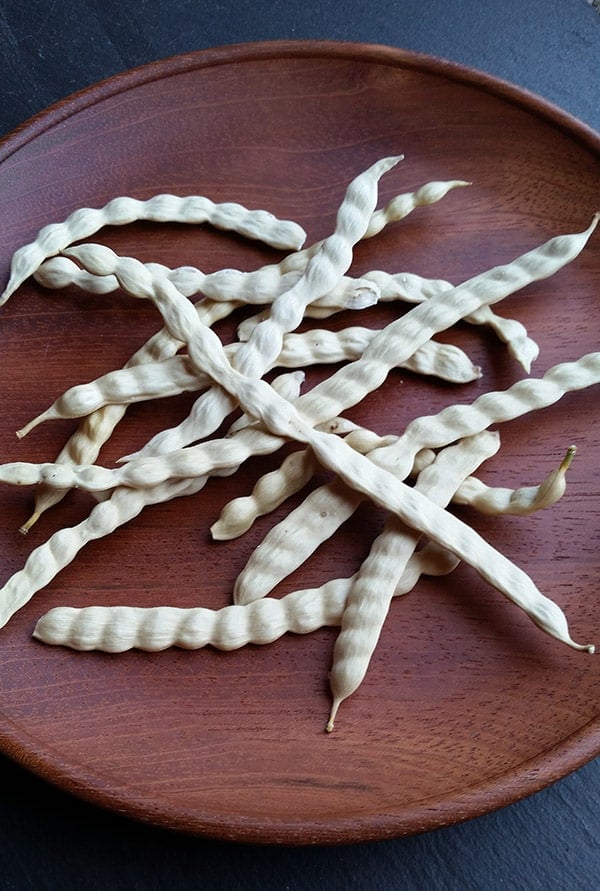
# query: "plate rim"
(502, 789)
(543, 770)
(226, 54)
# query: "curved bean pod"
(195, 209)
(369, 598)
(136, 383)
(412, 288)
(120, 628)
(516, 502)
(48, 559)
(323, 346)
(293, 540)
(400, 206)
(170, 377)
(260, 351)
(495, 407)
(225, 285)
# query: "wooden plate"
(467, 706)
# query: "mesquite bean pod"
(225, 285)
(119, 628)
(516, 502)
(52, 239)
(260, 351)
(281, 418)
(170, 377)
(369, 598)
(48, 559)
(398, 455)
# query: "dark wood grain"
(467, 706)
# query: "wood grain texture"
(466, 706)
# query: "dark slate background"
(51, 48)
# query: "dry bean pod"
(196, 209)
(115, 629)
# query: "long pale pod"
(120, 628)
(495, 407)
(283, 419)
(177, 374)
(48, 559)
(222, 286)
(322, 273)
(255, 224)
(412, 288)
(294, 539)
(400, 339)
(369, 599)
(400, 206)
(398, 454)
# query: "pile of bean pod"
(412, 476)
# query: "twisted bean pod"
(170, 377)
(369, 598)
(260, 352)
(117, 629)
(398, 455)
(83, 446)
(48, 559)
(494, 407)
(516, 502)
(322, 346)
(400, 206)
(255, 224)
(414, 289)
(225, 285)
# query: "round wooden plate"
(467, 706)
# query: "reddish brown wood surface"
(467, 706)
